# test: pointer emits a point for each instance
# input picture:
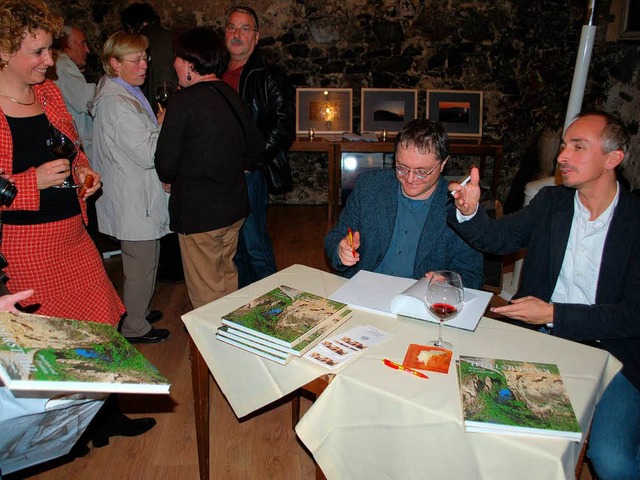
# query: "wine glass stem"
(440, 332)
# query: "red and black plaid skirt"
(61, 263)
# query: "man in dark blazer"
(398, 217)
(581, 273)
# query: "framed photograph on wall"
(326, 110)
(625, 23)
(459, 111)
(387, 109)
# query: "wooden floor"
(263, 446)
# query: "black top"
(206, 143)
(30, 150)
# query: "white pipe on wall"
(583, 59)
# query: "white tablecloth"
(248, 381)
(376, 422)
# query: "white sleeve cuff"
(464, 218)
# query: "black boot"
(111, 422)
(80, 449)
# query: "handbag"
(277, 173)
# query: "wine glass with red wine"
(62, 147)
(444, 299)
(163, 91)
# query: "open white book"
(393, 296)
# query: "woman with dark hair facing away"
(133, 205)
(207, 142)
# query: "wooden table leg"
(295, 409)
(200, 383)
(334, 167)
(583, 453)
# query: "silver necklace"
(2, 94)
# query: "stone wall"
(520, 53)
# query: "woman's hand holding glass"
(53, 173)
(160, 116)
(64, 147)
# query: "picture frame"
(324, 110)
(459, 111)
(387, 109)
(625, 23)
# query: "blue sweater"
(371, 209)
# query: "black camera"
(8, 192)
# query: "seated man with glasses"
(399, 217)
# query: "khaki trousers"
(207, 259)
(140, 265)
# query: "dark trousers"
(255, 259)
(170, 263)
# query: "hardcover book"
(288, 317)
(299, 348)
(39, 353)
(515, 397)
(262, 348)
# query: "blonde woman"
(133, 207)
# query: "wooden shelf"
(333, 146)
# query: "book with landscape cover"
(250, 342)
(288, 317)
(39, 353)
(262, 348)
(515, 397)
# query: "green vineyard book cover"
(39, 353)
(287, 316)
(515, 397)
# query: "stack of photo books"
(282, 324)
(39, 353)
(515, 397)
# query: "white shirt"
(578, 279)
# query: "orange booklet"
(423, 357)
